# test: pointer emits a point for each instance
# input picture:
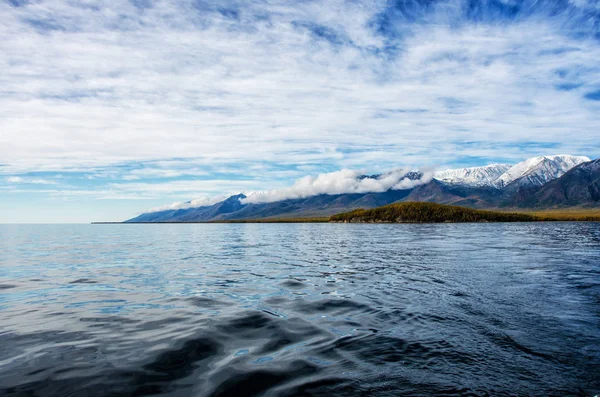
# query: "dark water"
(300, 310)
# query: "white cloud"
(407, 183)
(33, 181)
(198, 202)
(338, 182)
(188, 187)
(152, 172)
(118, 85)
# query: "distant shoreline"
(418, 212)
(291, 220)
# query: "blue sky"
(109, 108)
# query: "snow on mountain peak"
(534, 171)
(537, 171)
(473, 176)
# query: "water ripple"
(300, 310)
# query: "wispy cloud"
(195, 203)
(113, 83)
(33, 181)
(201, 85)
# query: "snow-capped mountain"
(537, 171)
(534, 171)
(474, 176)
(579, 187)
(590, 167)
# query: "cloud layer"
(243, 93)
(117, 82)
(339, 182)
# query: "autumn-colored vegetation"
(413, 212)
(573, 214)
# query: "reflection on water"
(300, 309)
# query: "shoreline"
(258, 221)
(419, 212)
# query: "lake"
(300, 310)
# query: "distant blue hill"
(232, 208)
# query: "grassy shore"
(418, 212)
(574, 214)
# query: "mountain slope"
(534, 171)
(443, 193)
(537, 171)
(474, 176)
(321, 205)
(578, 187)
(233, 208)
(197, 214)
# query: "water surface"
(300, 310)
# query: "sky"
(110, 108)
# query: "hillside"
(578, 187)
(473, 176)
(316, 206)
(454, 194)
(413, 212)
(537, 171)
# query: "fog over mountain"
(340, 182)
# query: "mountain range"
(542, 182)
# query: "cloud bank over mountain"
(532, 172)
(339, 182)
